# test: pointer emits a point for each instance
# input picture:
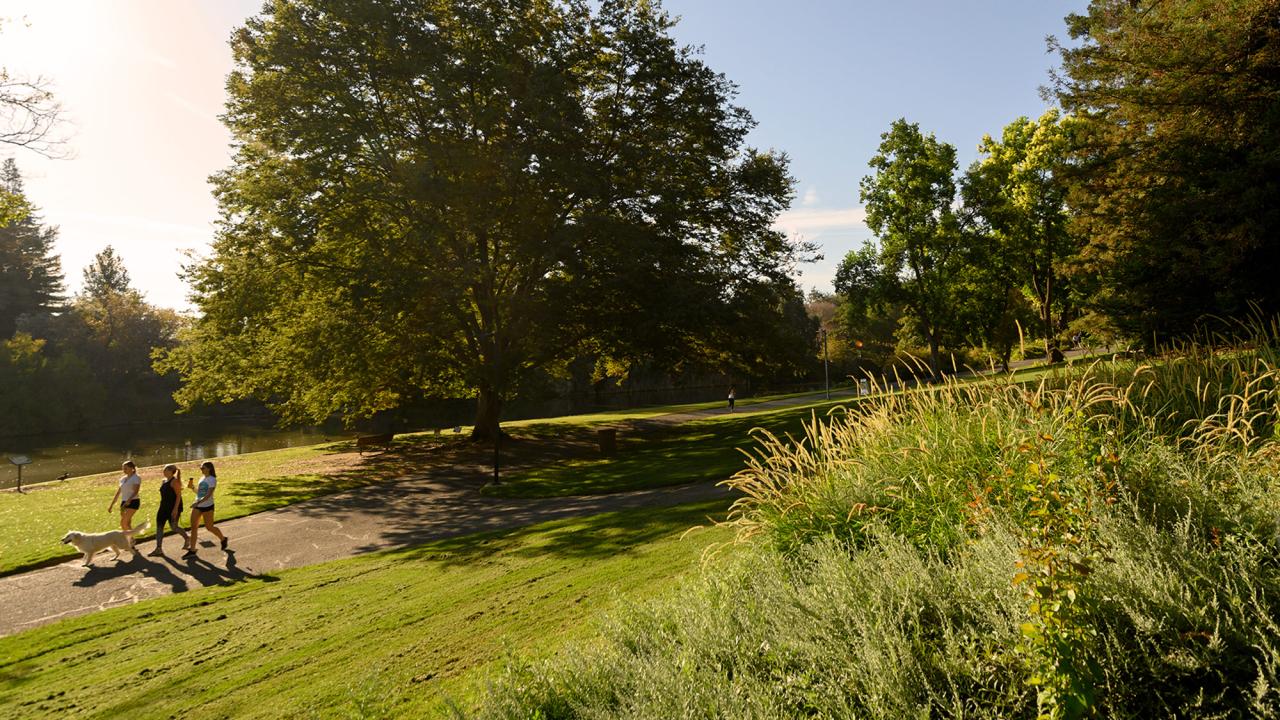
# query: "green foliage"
(44, 391)
(450, 197)
(1175, 165)
(909, 207)
(60, 370)
(1100, 545)
(1018, 198)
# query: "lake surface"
(176, 442)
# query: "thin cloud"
(810, 198)
(163, 61)
(146, 225)
(810, 221)
(191, 107)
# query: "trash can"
(608, 439)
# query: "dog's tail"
(138, 530)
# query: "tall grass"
(1101, 544)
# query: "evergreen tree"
(1176, 172)
(30, 272)
(106, 275)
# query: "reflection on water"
(149, 445)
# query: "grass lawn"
(392, 634)
(697, 451)
(701, 450)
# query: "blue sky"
(142, 82)
(824, 80)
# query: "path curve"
(401, 513)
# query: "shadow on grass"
(658, 457)
(592, 537)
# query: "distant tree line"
(72, 363)
(1148, 206)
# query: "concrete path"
(397, 514)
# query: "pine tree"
(30, 272)
(106, 275)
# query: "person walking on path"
(170, 507)
(127, 494)
(203, 508)
(733, 395)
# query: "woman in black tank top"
(170, 506)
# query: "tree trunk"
(488, 415)
(933, 356)
(1046, 321)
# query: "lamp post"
(826, 365)
(497, 416)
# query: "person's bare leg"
(195, 530)
(208, 524)
(126, 518)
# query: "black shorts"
(133, 504)
(200, 511)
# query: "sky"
(141, 82)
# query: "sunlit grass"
(391, 634)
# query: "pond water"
(178, 442)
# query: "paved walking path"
(397, 514)
(401, 513)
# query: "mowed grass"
(696, 451)
(393, 634)
(699, 450)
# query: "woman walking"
(127, 494)
(170, 507)
(203, 508)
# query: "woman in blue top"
(203, 507)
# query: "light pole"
(826, 365)
(497, 416)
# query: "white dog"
(93, 543)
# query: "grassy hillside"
(394, 634)
(1102, 544)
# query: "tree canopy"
(1018, 197)
(909, 201)
(1177, 167)
(443, 197)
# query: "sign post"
(19, 460)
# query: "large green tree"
(444, 196)
(1178, 160)
(1017, 193)
(30, 272)
(909, 201)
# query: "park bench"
(383, 441)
